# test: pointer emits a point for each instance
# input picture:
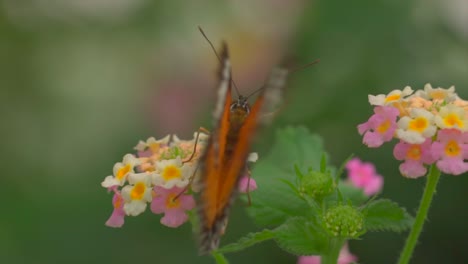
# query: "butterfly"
(225, 155)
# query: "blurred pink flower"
(380, 127)
(247, 184)
(166, 201)
(414, 156)
(450, 150)
(363, 175)
(117, 217)
(345, 257)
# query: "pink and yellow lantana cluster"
(431, 125)
(162, 173)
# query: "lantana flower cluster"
(431, 125)
(163, 173)
(158, 174)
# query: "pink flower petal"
(400, 150)
(450, 163)
(117, 218)
(174, 213)
(345, 257)
(363, 175)
(158, 204)
(187, 202)
(452, 166)
(465, 151)
(174, 218)
(146, 153)
(372, 140)
(309, 260)
(380, 127)
(374, 185)
(247, 184)
(426, 155)
(362, 128)
(412, 169)
(437, 150)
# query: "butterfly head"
(241, 104)
(240, 109)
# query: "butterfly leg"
(189, 184)
(248, 188)
(200, 130)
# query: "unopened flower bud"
(344, 221)
(317, 184)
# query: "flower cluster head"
(344, 221)
(161, 174)
(431, 125)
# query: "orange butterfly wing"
(211, 163)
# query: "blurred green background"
(83, 81)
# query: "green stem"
(220, 259)
(333, 252)
(429, 191)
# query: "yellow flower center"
(452, 119)
(118, 202)
(382, 128)
(438, 95)
(392, 98)
(414, 152)
(171, 172)
(138, 191)
(172, 201)
(418, 124)
(452, 148)
(154, 147)
(122, 172)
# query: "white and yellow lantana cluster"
(168, 162)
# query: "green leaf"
(385, 215)
(296, 145)
(291, 185)
(298, 172)
(219, 258)
(301, 236)
(342, 167)
(352, 194)
(274, 202)
(323, 163)
(247, 241)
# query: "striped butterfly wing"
(211, 163)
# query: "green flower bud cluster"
(173, 153)
(344, 221)
(317, 184)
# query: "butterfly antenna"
(290, 72)
(217, 55)
(256, 91)
(304, 66)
